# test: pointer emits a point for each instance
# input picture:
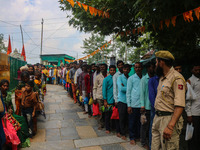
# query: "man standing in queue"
(169, 104)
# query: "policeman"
(169, 104)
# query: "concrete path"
(67, 128)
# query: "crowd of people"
(146, 106)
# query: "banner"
(4, 67)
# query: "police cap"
(164, 55)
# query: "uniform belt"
(163, 113)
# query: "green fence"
(15, 64)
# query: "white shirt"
(77, 74)
(193, 106)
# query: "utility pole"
(41, 41)
(22, 36)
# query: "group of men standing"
(150, 106)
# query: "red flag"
(23, 53)
(9, 47)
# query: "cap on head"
(164, 55)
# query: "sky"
(58, 36)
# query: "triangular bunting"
(109, 42)
(95, 11)
(167, 21)
(197, 11)
(85, 7)
(161, 25)
(133, 31)
(79, 4)
(100, 12)
(188, 16)
(71, 2)
(91, 9)
(23, 53)
(174, 21)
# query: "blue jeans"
(151, 123)
(134, 124)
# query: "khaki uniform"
(170, 93)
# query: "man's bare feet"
(85, 112)
(132, 142)
(107, 131)
(118, 135)
(123, 138)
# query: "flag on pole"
(9, 47)
(23, 53)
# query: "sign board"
(4, 67)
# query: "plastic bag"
(143, 119)
(189, 131)
(115, 113)
(95, 108)
(86, 100)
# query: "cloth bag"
(189, 131)
(115, 113)
(95, 108)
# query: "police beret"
(164, 55)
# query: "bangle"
(169, 128)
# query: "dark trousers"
(134, 124)
(145, 129)
(108, 120)
(58, 80)
(27, 113)
(123, 117)
(151, 123)
(195, 141)
(70, 90)
(50, 80)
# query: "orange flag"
(23, 53)
(100, 12)
(85, 7)
(91, 9)
(95, 11)
(142, 29)
(9, 50)
(138, 30)
(71, 2)
(167, 21)
(109, 42)
(79, 4)
(174, 21)
(197, 11)
(188, 16)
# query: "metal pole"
(22, 36)
(41, 41)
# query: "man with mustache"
(169, 104)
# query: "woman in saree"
(18, 122)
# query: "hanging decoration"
(9, 50)
(92, 54)
(92, 10)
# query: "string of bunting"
(187, 16)
(92, 10)
(92, 54)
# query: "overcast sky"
(59, 37)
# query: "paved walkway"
(66, 128)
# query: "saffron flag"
(9, 47)
(23, 53)
(71, 2)
(85, 7)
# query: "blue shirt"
(122, 79)
(133, 91)
(144, 92)
(107, 89)
(2, 134)
(153, 84)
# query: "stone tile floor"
(67, 128)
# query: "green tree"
(182, 40)
(93, 43)
(2, 45)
